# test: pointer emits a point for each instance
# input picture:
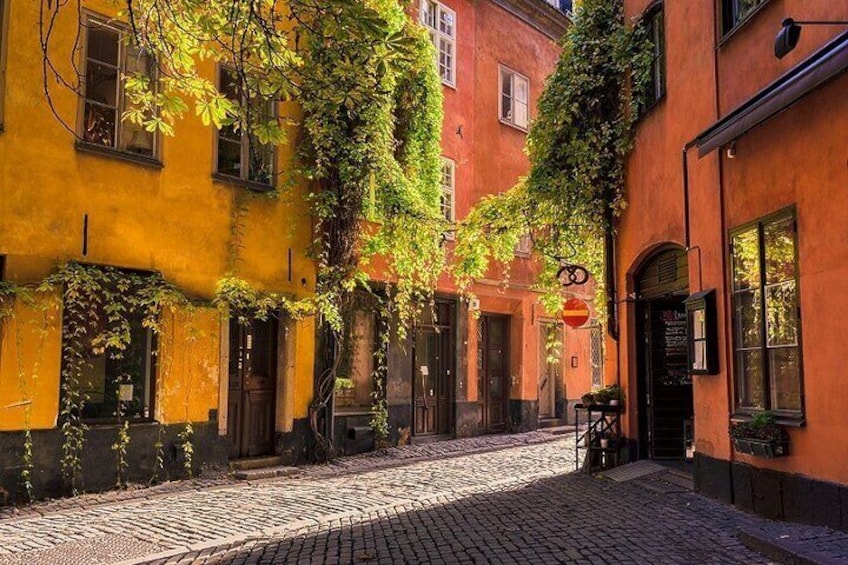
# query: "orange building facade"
(470, 368)
(731, 305)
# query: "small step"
(266, 473)
(256, 462)
(558, 430)
(550, 423)
(432, 438)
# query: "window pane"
(748, 315)
(261, 161)
(228, 85)
(506, 108)
(506, 84)
(99, 125)
(781, 314)
(103, 44)
(699, 355)
(785, 379)
(750, 379)
(521, 88)
(446, 23)
(779, 241)
(124, 376)
(446, 60)
(101, 84)
(229, 157)
(746, 260)
(699, 324)
(520, 114)
(428, 14)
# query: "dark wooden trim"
(104, 151)
(539, 15)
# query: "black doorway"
(664, 387)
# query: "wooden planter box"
(761, 447)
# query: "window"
(766, 316)
(734, 12)
(596, 352)
(108, 379)
(355, 381)
(515, 91)
(108, 57)
(441, 21)
(524, 245)
(449, 192)
(655, 27)
(239, 153)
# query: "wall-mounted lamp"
(731, 150)
(790, 32)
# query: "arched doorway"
(664, 386)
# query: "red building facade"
(741, 155)
(475, 367)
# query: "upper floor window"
(515, 94)
(109, 57)
(734, 12)
(441, 21)
(239, 153)
(449, 191)
(524, 245)
(766, 316)
(655, 27)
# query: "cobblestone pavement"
(516, 504)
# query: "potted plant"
(761, 437)
(587, 399)
(602, 396)
(616, 395)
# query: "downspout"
(612, 300)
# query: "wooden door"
(548, 370)
(432, 382)
(252, 388)
(493, 372)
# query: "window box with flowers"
(761, 437)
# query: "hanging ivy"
(577, 147)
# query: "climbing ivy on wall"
(577, 147)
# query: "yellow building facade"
(110, 195)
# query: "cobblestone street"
(502, 504)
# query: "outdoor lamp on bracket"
(790, 32)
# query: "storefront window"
(765, 316)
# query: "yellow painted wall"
(30, 360)
(175, 219)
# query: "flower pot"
(761, 448)
(613, 402)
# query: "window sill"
(112, 422)
(513, 126)
(732, 32)
(788, 420)
(249, 185)
(94, 149)
(451, 85)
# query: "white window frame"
(449, 191)
(437, 36)
(510, 120)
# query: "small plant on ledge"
(761, 436)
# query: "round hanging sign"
(575, 313)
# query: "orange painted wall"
(797, 158)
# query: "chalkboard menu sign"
(669, 345)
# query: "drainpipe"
(612, 301)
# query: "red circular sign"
(575, 313)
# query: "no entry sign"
(575, 313)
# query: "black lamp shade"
(787, 38)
